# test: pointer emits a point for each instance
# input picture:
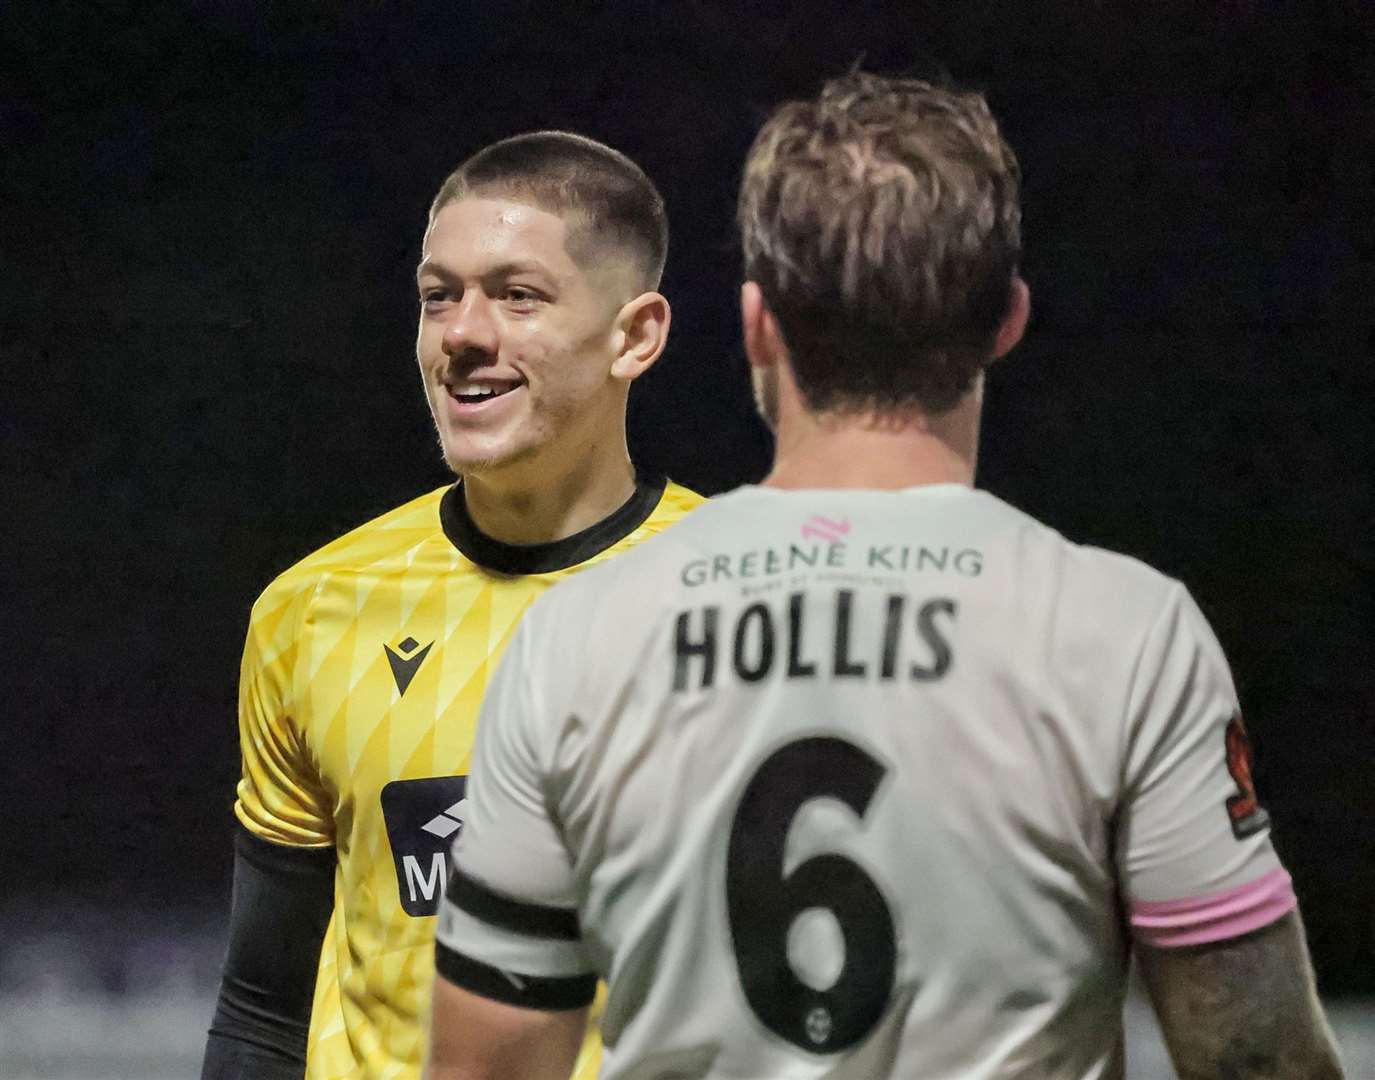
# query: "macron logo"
(445, 824)
(406, 663)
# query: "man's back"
(862, 795)
(864, 773)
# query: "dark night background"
(209, 220)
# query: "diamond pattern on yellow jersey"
(362, 675)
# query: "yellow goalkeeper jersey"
(362, 675)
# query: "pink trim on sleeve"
(1216, 917)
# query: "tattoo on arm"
(1243, 1009)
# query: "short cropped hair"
(882, 224)
(613, 203)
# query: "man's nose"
(471, 326)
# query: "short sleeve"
(280, 796)
(1194, 852)
(508, 927)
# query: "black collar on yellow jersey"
(558, 554)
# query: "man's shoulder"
(670, 527)
(1065, 562)
(677, 500)
(1129, 570)
(1037, 549)
(388, 536)
(1091, 600)
(674, 503)
(661, 504)
(1116, 582)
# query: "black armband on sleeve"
(527, 991)
(282, 901)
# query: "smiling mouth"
(477, 393)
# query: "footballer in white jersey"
(856, 784)
(862, 772)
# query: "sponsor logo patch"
(1248, 817)
(423, 819)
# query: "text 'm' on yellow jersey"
(362, 675)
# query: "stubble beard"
(460, 468)
(469, 467)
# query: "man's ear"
(1013, 326)
(763, 341)
(641, 334)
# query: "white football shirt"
(853, 784)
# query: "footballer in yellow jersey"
(366, 662)
(362, 678)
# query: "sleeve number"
(763, 904)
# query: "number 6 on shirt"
(763, 904)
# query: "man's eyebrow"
(500, 270)
(518, 266)
(429, 266)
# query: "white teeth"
(477, 390)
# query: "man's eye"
(521, 295)
(435, 296)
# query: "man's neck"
(857, 458)
(541, 505)
(882, 452)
